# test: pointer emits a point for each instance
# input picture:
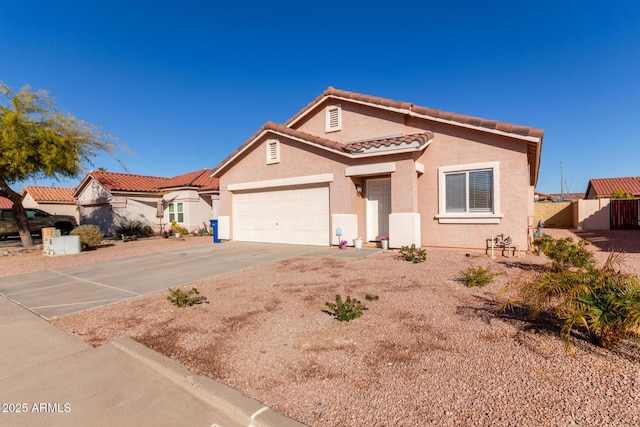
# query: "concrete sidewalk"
(50, 378)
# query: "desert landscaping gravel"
(429, 351)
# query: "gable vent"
(273, 151)
(333, 118)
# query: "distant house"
(55, 200)
(352, 165)
(5, 203)
(604, 187)
(106, 199)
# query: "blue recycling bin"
(214, 229)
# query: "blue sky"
(184, 83)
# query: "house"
(350, 165)
(605, 187)
(106, 199)
(55, 200)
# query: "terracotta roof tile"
(49, 194)
(200, 179)
(421, 138)
(5, 203)
(603, 187)
(115, 181)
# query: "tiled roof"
(534, 136)
(5, 203)
(603, 187)
(114, 181)
(425, 111)
(200, 179)
(49, 194)
(420, 138)
(349, 148)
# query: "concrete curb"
(232, 403)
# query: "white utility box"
(63, 245)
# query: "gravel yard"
(430, 351)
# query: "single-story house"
(351, 165)
(605, 187)
(55, 200)
(106, 199)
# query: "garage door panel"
(295, 216)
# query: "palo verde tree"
(37, 140)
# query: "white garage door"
(292, 215)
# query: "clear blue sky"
(185, 83)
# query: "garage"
(293, 215)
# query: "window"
(273, 151)
(469, 193)
(176, 212)
(333, 118)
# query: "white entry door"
(378, 208)
(293, 215)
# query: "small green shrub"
(564, 253)
(413, 254)
(180, 298)
(346, 310)
(132, 227)
(477, 277)
(370, 297)
(90, 236)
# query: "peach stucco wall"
(458, 148)
(411, 192)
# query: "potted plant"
(384, 242)
(343, 243)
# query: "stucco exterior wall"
(197, 210)
(462, 147)
(358, 123)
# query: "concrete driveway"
(55, 293)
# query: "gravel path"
(429, 352)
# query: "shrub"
(177, 228)
(180, 298)
(413, 254)
(346, 310)
(564, 253)
(90, 236)
(603, 301)
(477, 277)
(132, 227)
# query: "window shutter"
(456, 192)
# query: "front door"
(378, 208)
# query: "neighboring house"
(372, 167)
(107, 198)
(5, 203)
(54, 200)
(604, 187)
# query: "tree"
(38, 139)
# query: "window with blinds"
(333, 118)
(469, 191)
